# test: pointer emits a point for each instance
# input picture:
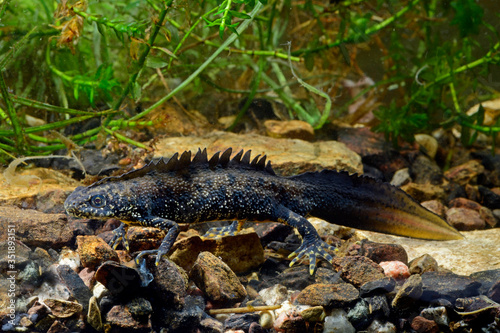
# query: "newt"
(183, 190)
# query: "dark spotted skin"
(181, 191)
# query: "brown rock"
(328, 295)
(424, 192)
(34, 228)
(422, 264)
(94, 314)
(292, 129)
(422, 325)
(241, 252)
(290, 321)
(119, 319)
(358, 269)
(379, 252)
(464, 219)
(144, 238)
(170, 281)
(409, 293)
(63, 309)
(58, 327)
(217, 280)
(465, 173)
(464, 203)
(94, 251)
(487, 215)
(88, 277)
(435, 206)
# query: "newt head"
(97, 202)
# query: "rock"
(241, 252)
(313, 314)
(94, 314)
(423, 264)
(88, 277)
(401, 177)
(380, 327)
(119, 319)
(140, 308)
(379, 252)
(211, 325)
(360, 315)
(328, 295)
(437, 314)
(422, 325)
(464, 203)
(474, 253)
(292, 129)
(170, 283)
(487, 216)
(448, 286)
(144, 238)
(425, 170)
(40, 256)
(494, 292)
(428, 144)
(464, 219)
(118, 278)
(486, 278)
(74, 284)
(474, 305)
(298, 277)
(337, 322)
(358, 269)
(241, 321)
(187, 318)
(424, 192)
(36, 229)
(274, 295)
(22, 253)
(466, 173)
(410, 292)
(378, 305)
(217, 280)
(63, 309)
(69, 258)
(435, 206)
(58, 327)
(490, 199)
(94, 251)
(288, 156)
(380, 286)
(290, 321)
(395, 269)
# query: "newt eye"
(98, 201)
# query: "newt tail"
(185, 190)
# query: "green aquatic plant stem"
(16, 125)
(120, 27)
(142, 59)
(202, 67)
(125, 139)
(355, 38)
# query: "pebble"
(379, 252)
(241, 252)
(94, 314)
(217, 280)
(424, 192)
(61, 308)
(88, 277)
(409, 293)
(437, 314)
(435, 206)
(464, 219)
(428, 144)
(422, 325)
(465, 173)
(425, 170)
(292, 129)
(69, 258)
(337, 322)
(401, 177)
(379, 307)
(120, 319)
(360, 315)
(23, 254)
(170, 282)
(395, 269)
(358, 269)
(313, 314)
(118, 278)
(290, 321)
(381, 327)
(380, 286)
(58, 327)
(144, 238)
(93, 251)
(241, 321)
(74, 285)
(474, 305)
(446, 285)
(422, 264)
(328, 295)
(274, 295)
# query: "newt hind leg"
(312, 245)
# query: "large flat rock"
(478, 251)
(288, 156)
